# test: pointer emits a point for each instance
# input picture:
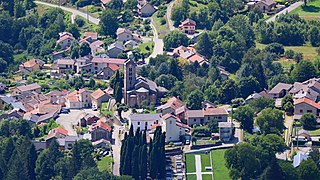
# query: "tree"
(195, 99)
(118, 93)
(204, 45)
(308, 170)
(84, 49)
(287, 98)
(74, 30)
(303, 71)
(242, 161)
(6, 55)
(314, 154)
(19, 10)
(166, 81)
(289, 172)
(108, 23)
(244, 114)
(273, 171)
(261, 103)
(116, 4)
(275, 48)
(314, 36)
(308, 121)
(92, 82)
(75, 48)
(287, 104)
(174, 39)
(270, 121)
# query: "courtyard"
(207, 166)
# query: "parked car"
(94, 108)
(65, 110)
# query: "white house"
(115, 49)
(79, 99)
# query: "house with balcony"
(225, 131)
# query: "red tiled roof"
(215, 111)
(155, 126)
(97, 94)
(65, 37)
(114, 67)
(308, 101)
(104, 126)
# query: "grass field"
(205, 162)
(191, 177)
(105, 164)
(311, 11)
(314, 132)
(219, 165)
(206, 177)
(191, 164)
(146, 48)
(309, 52)
(161, 28)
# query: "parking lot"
(72, 118)
(175, 167)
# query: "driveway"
(75, 12)
(116, 148)
(72, 118)
(168, 15)
(285, 11)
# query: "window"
(195, 120)
(301, 111)
(96, 64)
(138, 123)
(309, 111)
(146, 123)
(170, 122)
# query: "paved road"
(286, 10)
(116, 148)
(168, 15)
(75, 12)
(158, 43)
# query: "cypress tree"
(16, 168)
(137, 136)
(143, 161)
(6, 155)
(122, 155)
(135, 163)
(131, 131)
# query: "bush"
(80, 22)
(275, 48)
(201, 131)
(163, 21)
(289, 54)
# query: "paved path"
(158, 44)
(75, 12)
(116, 150)
(168, 15)
(285, 10)
(198, 167)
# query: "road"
(75, 12)
(168, 15)
(158, 44)
(285, 10)
(116, 148)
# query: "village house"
(100, 130)
(145, 9)
(225, 131)
(83, 64)
(88, 119)
(67, 142)
(144, 121)
(223, 73)
(309, 89)
(124, 35)
(64, 65)
(305, 105)
(98, 97)
(115, 49)
(97, 47)
(26, 88)
(256, 95)
(99, 64)
(280, 90)
(108, 72)
(104, 3)
(57, 97)
(65, 40)
(173, 106)
(190, 54)
(263, 5)
(90, 37)
(31, 66)
(78, 99)
(203, 116)
(42, 113)
(188, 26)
(56, 133)
(139, 91)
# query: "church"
(139, 91)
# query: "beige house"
(173, 106)
(225, 131)
(305, 105)
(124, 35)
(100, 130)
(64, 65)
(65, 40)
(79, 99)
(26, 88)
(31, 66)
(98, 97)
(280, 90)
(203, 116)
(99, 64)
(173, 127)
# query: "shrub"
(289, 54)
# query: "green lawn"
(104, 110)
(161, 28)
(191, 177)
(146, 48)
(205, 162)
(206, 176)
(191, 164)
(309, 52)
(219, 165)
(314, 132)
(105, 164)
(201, 142)
(311, 11)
